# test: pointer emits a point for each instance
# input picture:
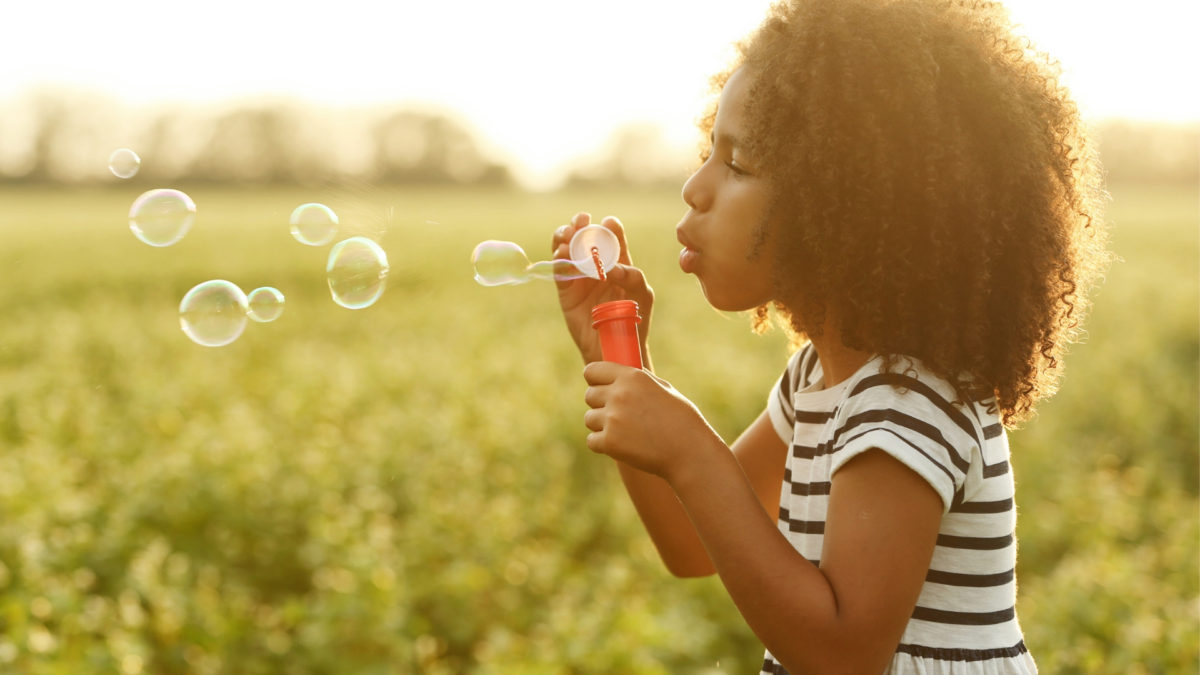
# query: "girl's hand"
(578, 296)
(640, 419)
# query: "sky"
(542, 82)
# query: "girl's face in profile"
(727, 199)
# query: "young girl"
(907, 184)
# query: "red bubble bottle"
(617, 323)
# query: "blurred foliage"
(405, 489)
(54, 136)
(635, 154)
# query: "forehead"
(732, 104)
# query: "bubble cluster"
(161, 217)
(124, 163)
(356, 272)
(266, 304)
(313, 224)
(213, 313)
(593, 250)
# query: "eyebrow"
(724, 138)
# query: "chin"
(725, 303)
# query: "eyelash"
(707, 153)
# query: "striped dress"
(965, 619)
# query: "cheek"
(738, 285)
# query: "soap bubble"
(314, 224)
(213, 313)
(266, 304)
(124, 163)
(500, 263)
(593, 250)
(503, 263)
(357, 271)
(161, 217)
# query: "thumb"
(629, 279)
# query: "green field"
(405, 488)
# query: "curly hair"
(934, 191)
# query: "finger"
(629, 279)
(560, 237)
(594, 397)
(601, 372)
(594, 420)
(562, 251)
(596, 442)
(564, 233)
(614, 225)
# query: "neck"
(838, 361)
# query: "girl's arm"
(759, 455)
(848, 614)
(880, 530)
(759, 449)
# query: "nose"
(696, 193)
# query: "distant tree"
(66, 136)
(250, 144)
(636, 154)
(421, 147)
(61, 142)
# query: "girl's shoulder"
(904, 383)
(915, 416)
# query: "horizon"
(539, 95)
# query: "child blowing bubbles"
(908, 186)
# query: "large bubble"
(161, 217)
(213, 314)
(357, 272)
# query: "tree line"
(66, 137)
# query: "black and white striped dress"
(965, 619)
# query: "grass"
(404, 488)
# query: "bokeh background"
(404, 488)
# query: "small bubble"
(357, 272)
(213, 314)
(266, 304)
(161, 217)
(313, 224)
(124, 163)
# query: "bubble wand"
(616, 321)
(593, 253)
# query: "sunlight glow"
(542, 81)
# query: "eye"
(736, 168)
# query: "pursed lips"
(688, 256)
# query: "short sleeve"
(914, 423)
(780, 406)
